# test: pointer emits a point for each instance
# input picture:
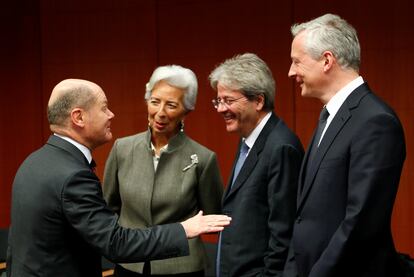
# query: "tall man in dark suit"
(60, 223)
(351, 170)
(261, 193)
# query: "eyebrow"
(168, 101)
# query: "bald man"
(60, 224)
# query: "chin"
(108, 137)
(231, 129)
(304, 94)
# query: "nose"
(221, 107)
(161, 110)
(292, 71)
(111, 114)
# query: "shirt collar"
(164, 148)
(85, 150)
(251, 139)
(339, 98)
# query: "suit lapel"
(338, 122)
(245, 171)
(302, 172)
(251, 159)
(143, 173)
(229, 185)
(68, 147)
(334, 128)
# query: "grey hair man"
(261, 193)
(352, 167)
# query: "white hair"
(176, 76)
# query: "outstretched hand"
(202, 224)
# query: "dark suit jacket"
(262, 204)
(344, 209)
(61, 225)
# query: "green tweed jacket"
(187, 180)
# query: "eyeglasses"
(224, 101)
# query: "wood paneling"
(112, 43)
(118, 44)
(21, 109)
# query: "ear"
(328, 60)
(260, 100)
(77, 117)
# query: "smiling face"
(242, 115)
(165, 109)
(306, 71)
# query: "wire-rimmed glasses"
(224, 101)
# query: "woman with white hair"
(162, 176)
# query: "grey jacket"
(187, 180)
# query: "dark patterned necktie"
(321, 126)
(315, 143)
(92, 165)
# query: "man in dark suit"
(351, 170)
(60, 224)
(261, 199)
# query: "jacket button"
(298, 219)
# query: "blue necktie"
(244, 149)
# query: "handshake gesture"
(202, 224)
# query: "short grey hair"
(331, 33)
(71, 93)
(249, 74)
(176, 76)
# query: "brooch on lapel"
(194, 160)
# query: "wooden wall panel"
(118, 44)
(112, 43)
(21, 102)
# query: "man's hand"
(200, 224)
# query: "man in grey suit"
(350, 173)
(60, 224)
(261, 199)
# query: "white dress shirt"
(338, 99)
(85, 150)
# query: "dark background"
(118, 44)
